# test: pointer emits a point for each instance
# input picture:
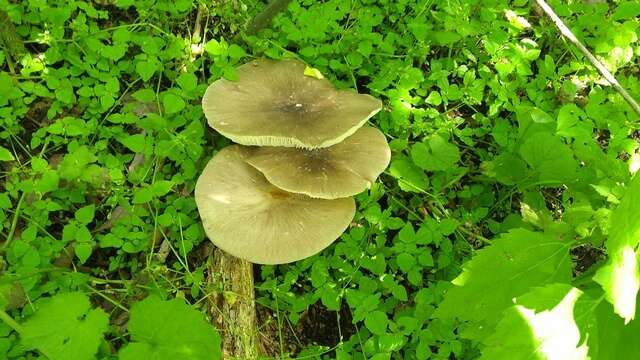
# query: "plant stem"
(9, 321)
(566, 32)
(14, 223)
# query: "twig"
(566, 32)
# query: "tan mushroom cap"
(274, 104)
(246, 216)
(342, 170)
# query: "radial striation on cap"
(274, 104)
(246, 216)
(342, 170)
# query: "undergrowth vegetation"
(511, 158)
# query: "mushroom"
(246, 216)
(342, 170)
(275, 104)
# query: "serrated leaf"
(620, 277)
(513, 264)
(169, 330)
(66, 327)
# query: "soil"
(317, 326)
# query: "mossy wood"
(233, 308)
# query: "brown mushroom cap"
(246, 216)
(275, 104)
(342, 170)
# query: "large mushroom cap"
(249, 218)
(341, 170)
(275, 104)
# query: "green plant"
(501, 134)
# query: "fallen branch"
(566, 32)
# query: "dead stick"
(566, 32)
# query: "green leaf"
(187, 81)
(620, 277)
(66, 327)
(376, 322)
(146, 68)
(142, 195)
(616, 340)
(506, 168)
(539, 116)
(410, 177)
(541, 326)
(5, 154)
(390, 342)
(235, 51)
(172, 103)
(83, 251)
(85, 214)
(513, 264)
(161, 187)
(145, 95)
(549, 157)
(169, 330)
(406, 262)
(134, 143)
(437, 154)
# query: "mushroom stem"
(233, 308)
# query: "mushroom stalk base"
(233, 309)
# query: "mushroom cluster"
(285, 193)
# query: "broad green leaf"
(620, 277)
(146, 68)
(172, 103)
(616, 340)
(509, 267)
(437, 154)
(85, 214)
(134, 143)
(506, 168)
(66, 327)
(540, 325)
(549, 157)
(376, 322)
(169, 330)
(410, 177)
(187, 81)
(83, 250)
